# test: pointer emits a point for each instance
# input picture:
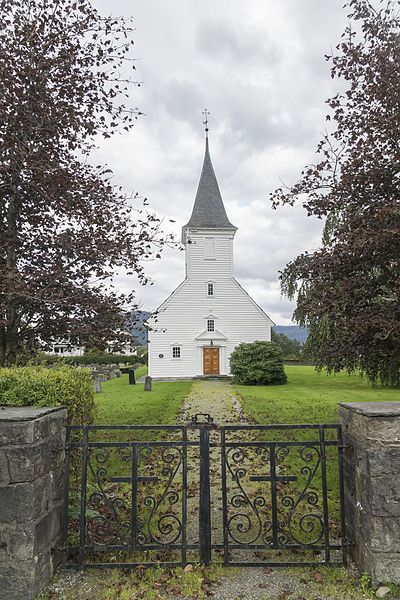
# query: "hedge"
(61, 386)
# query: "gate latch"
(202, 419)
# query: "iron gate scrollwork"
(275, 495)
(244, 495)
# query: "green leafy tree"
(258, 363)
(348, 292)
(290, 348)
(65, 74)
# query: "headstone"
(147, 384)
(97, 386)
(117, 373)
(132, 379)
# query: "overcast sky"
(259, 68)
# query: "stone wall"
(372, 487)
(32, 444)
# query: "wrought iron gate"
(243, 495)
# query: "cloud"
(259, 68)
(234, 42)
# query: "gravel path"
(213, 397)
(217, 399)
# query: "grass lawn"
(309, 397)
(140, 371)
(122, 404)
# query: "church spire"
(208, 210)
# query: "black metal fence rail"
(263, 487)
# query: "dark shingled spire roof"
(208, 210)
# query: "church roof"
(208, 210)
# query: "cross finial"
(205, 122)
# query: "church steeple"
(208, 210)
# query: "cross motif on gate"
(273, 478)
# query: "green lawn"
(122, 404)
(140, 371)
(309, 397)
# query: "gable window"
(210, 289)
(210, 325)
(209, 247)
(176, 351)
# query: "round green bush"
(259, 363)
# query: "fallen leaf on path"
(318, 578)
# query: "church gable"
(254, 303)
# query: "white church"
(195, 330)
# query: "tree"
(349, 290)
(258, 363)
(64, 227)
(290, 348)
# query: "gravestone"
(132, 379)
(97, 386)
(147, 384)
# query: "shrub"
(38, 386)
(259, 363)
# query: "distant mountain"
(135, 325)
(294, 332)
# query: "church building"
(195, 330)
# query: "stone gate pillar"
(371, 460)
(32, 444)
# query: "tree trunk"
(9, 343)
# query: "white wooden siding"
(183, 316)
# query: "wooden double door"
(211, 361)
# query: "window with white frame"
(210, 325)
(210, 288)
(209, 247)
(176, 351)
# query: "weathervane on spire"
(205, 122)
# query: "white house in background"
(64, 348)
(195, 330)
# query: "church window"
(210, 289)
(210, 325)
(176, 351)
(209, 247)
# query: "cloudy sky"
(259, 68)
